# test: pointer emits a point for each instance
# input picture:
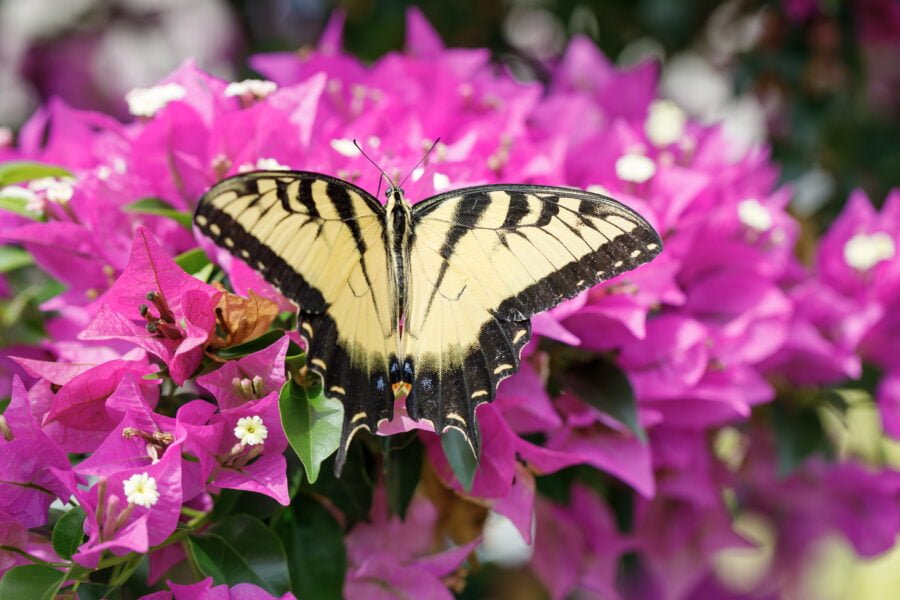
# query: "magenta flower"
(15, 535)
(577, 547)
(593, 438)
(818, 500)
(248, 378)
(857, 254)
(159, 307)
(204, 590)
(238, 448)
(28, 460)
(389, 558)
(131, 509)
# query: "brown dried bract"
(241, 319)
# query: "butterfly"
(434, 298)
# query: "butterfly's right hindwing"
(321, 242)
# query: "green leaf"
(18, 171)
(604, 386)
(254, 345)
(208, 565)
(403, 466)
(233, 502)
(38, 582)
(314, 543)
(312, 424)
(68, 532)
(798, 435)
(19, 206)
(461, 457)
(352, 492)
(241, 549)
(161, 208)
(12, 258)
(193, 260)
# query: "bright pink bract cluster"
(726, 319)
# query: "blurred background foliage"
(818, 79)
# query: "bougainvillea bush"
(162, 437)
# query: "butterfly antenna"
(374, 164)
(421, 160)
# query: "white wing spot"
(501, 368)
(519, 334)
(635, 254)
(426, 383)
(619, 263)
(456, 417)
(245, 253)
(358, 417)
(479, 394)
(318, 362)
(339, 390)
(652, 246)
(201, 220)
(228, 242)
(215, 229)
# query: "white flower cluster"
(146, 102)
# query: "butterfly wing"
(483, 261)
(321, 242)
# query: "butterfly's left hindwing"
(482, 262)
(321, 242)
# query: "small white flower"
(146, 102)
(270, 164)
(140, 489)
(251, 431)
(635, 167)
(6, 137)
(864, 251)
(665, 123)
(417, 173)
(440, 181)
(374, 141)
(596, 188)
(503, 544)
(260, 88)
(345, 147)
(263, 164)
(754, 215)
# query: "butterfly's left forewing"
(482, 262)
(321, 241)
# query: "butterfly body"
(436, 295)
(398, 230)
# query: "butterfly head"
(394, 192)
